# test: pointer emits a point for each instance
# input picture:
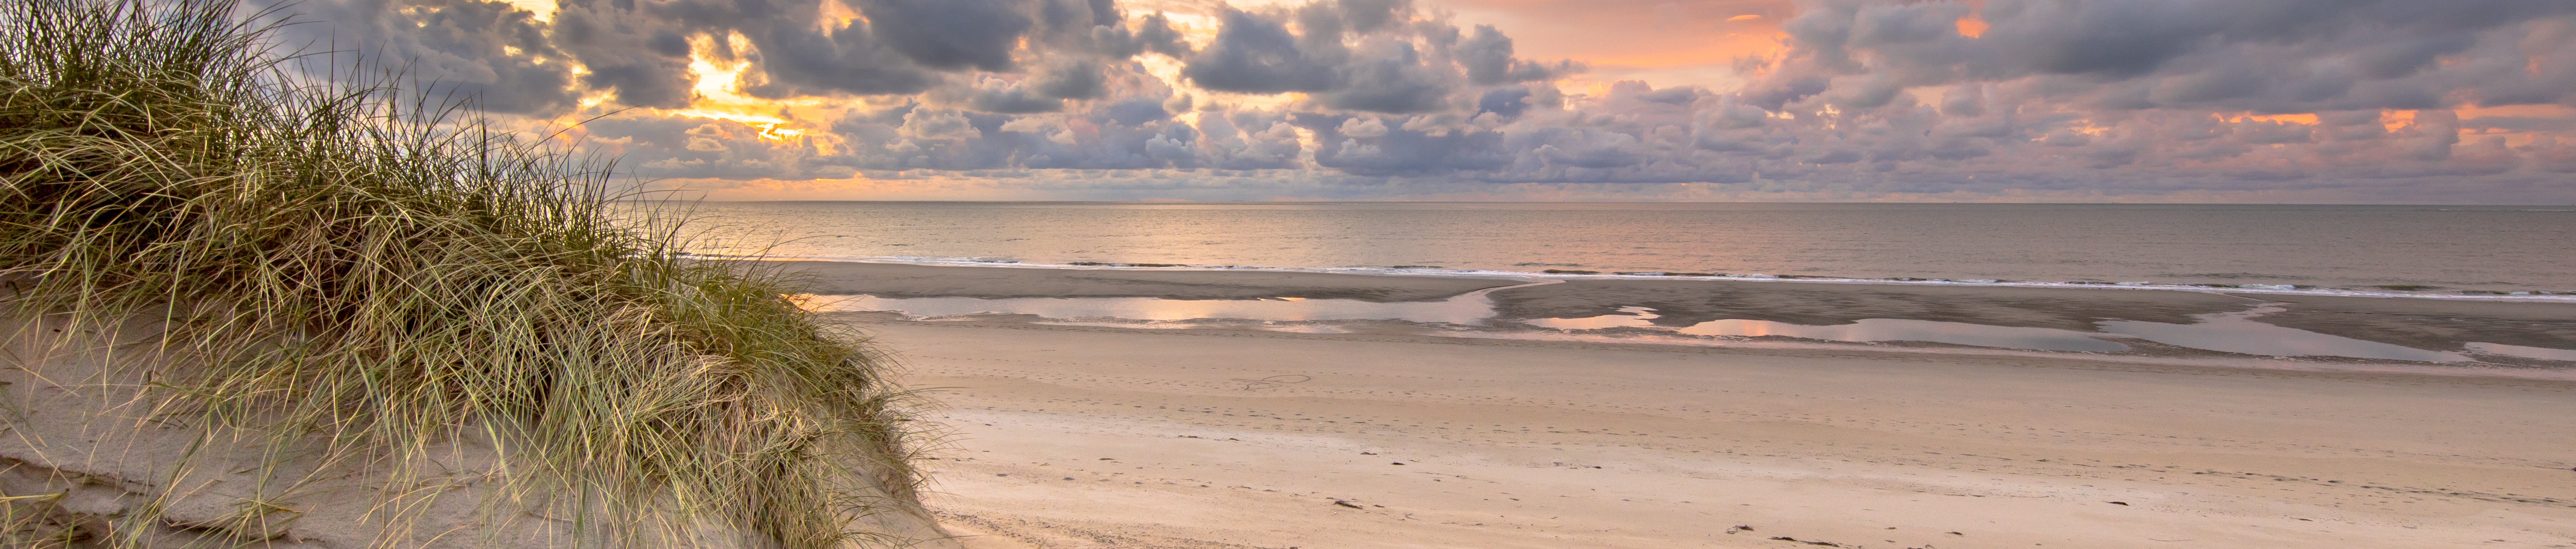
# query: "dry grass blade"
(387, 281)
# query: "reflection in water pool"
(1463, 309)
(2237, 332)
(1890, 329)
(1865, 330)
(1635, 317)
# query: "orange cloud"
(2393, 120)
(2307, 118)
(1972, 26)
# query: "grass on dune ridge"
(388, 278)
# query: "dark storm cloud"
(1254, 54)
(951, 34)
(488, 53)
(798, 60)
(643, 61)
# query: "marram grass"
(343, 267)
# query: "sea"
(2486, 252)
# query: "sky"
(2264, 101)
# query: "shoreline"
(2473, 337)
(1789, 349)
(2540, 296)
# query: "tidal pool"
(1629, 317)
(1463, 309)
(1865, 330)
(2237, 332)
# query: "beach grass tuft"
(337, 263)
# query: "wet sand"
(2438, 324)
(1687, 302)
(2430, 324)
(1064, 436)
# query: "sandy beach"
(1102, 437)
(1099, 436)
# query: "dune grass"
(348, 267)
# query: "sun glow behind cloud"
(718, 93)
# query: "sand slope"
(84, 456)
(1102, 437)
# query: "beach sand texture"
(1103, 437)
(1087, 436)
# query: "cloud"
(1002, 96)
(686, 147)
(1391, 76)
(1361, 55)
(640, 60)
(951, 34)
(488, 53)
(1489, 61)
(1254, 54)
(2269, 55)
(2369, 97)
(801, 61)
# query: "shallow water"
(2234, 332)
(2237, 332)
(1629, 317)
